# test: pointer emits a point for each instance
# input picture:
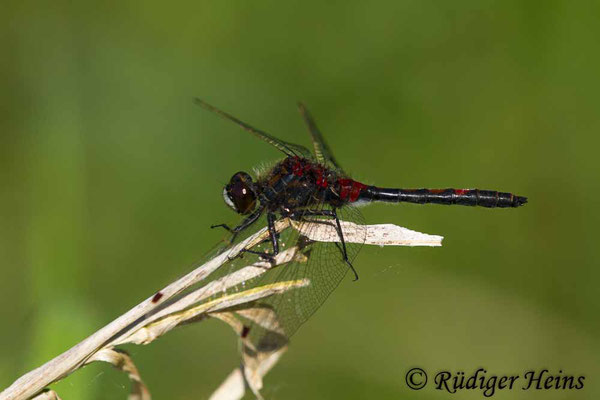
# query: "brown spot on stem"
(157, 297)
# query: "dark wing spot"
(245, 331)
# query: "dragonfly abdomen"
(464, 197)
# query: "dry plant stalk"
(169, 308)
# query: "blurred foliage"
(110, 177)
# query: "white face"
(228, 200)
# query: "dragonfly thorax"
(296, 183)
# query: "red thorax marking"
(297, 167)
(321, 180)
(300, 168)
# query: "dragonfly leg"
(224, 226)
(245, 224)
(338, 227)
(273, 237)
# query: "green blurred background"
(111, 176)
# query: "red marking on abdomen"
(350, 190)
(460, 192)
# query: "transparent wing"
(323, 153)
(313, 271)
(289, 149)
(323, 268)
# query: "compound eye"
(239, 194)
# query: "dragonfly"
(311, 189)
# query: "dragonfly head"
(240, 193)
